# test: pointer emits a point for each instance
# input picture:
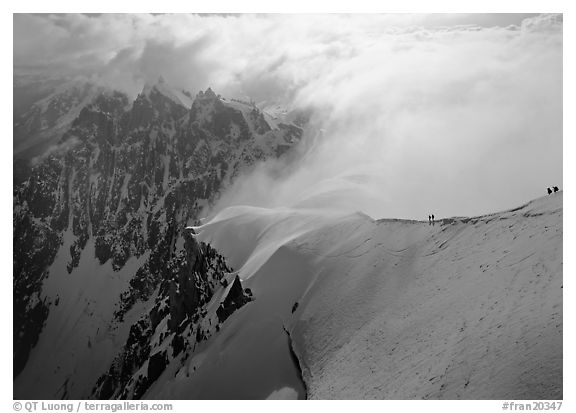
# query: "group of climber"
(431, 219)
(555, 188)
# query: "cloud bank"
(413, 114)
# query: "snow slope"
(470, 308)
(250, 357)
(79, 334)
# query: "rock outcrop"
(178, 319)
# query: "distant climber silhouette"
(432, 219)
(549, 191)
(429, 219)
(556, 189)
(295, 307)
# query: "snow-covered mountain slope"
(99, 224)
(470, 308)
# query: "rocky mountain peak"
(210, 93)
(164, 89)
(206, 96)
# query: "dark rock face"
(156, 365)
(130, 179)
(21, 171)
(178, 320)
(235, 298)
(35, 244)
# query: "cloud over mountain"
(411, 107)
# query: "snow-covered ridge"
(468, 308)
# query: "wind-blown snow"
(249, 236)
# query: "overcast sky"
(450, 114)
